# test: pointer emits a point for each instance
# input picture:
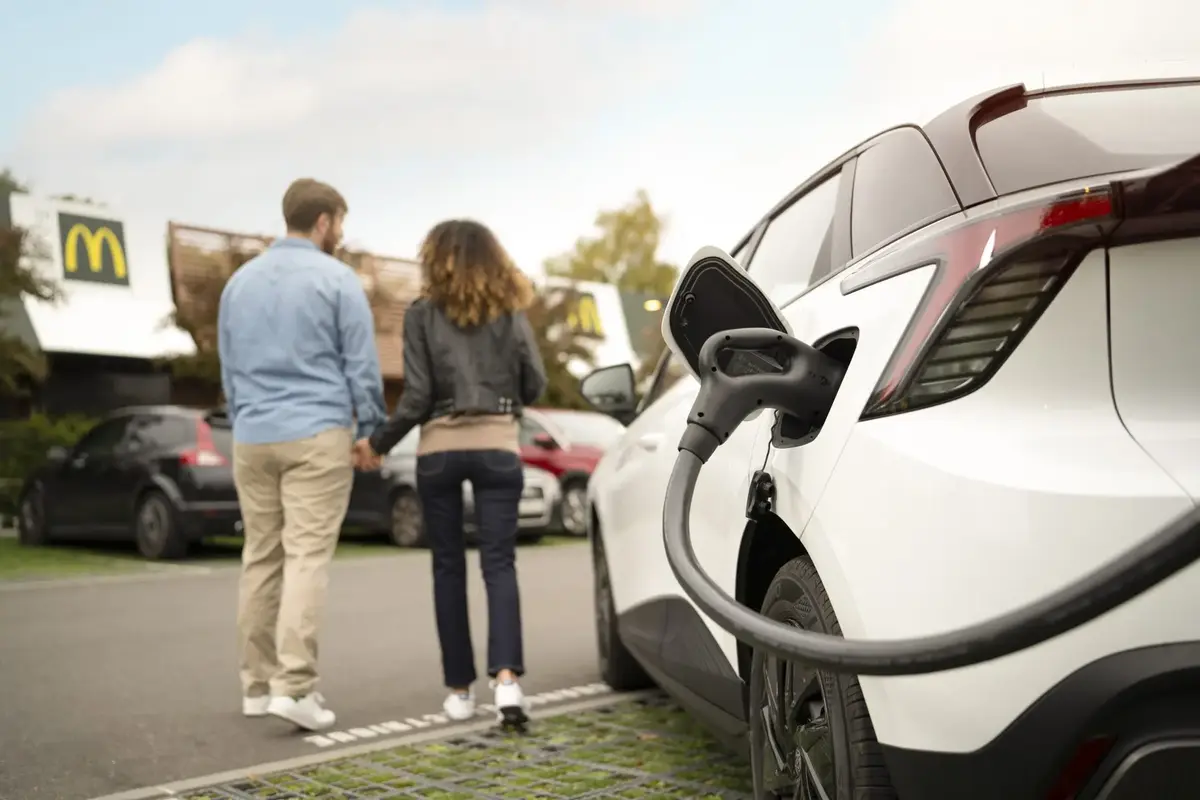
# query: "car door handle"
(650, 441)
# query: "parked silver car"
(538, 501)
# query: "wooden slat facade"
(196, 254)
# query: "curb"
(175, 788)
(156, 573)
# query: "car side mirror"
(57, 454)
(610, 390)
(545, 441)
(714, 295)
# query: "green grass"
(633, 750)
(77, 560)
(24, 563)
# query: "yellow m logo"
(103, 249)
(584, 318)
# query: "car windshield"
(587, 428)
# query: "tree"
(9, 183)
(197, 303)
(559, 348)
(20, 363)
(624, 253)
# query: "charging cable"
(804, 386)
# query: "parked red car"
(568, 444)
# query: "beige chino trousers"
(293, 497)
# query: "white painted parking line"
(433, 721)
(604, 697)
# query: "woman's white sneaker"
(308, 712)
(459, 706)
(512, 707)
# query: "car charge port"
(790, 431)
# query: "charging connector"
(805, 385)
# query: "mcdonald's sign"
(93, 250)
(584, 317)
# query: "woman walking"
(470, 365)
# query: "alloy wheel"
(603, 601)
(153, 525)
(32, 516)
(407, 527)
(797, 759)
(574, 510)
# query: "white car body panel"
(1155, 295)
(931, 520)
(928, 521)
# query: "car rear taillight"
(205, 453)
(996, 275)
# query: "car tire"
(800, 704)
(32, 529)
(618, 668)
(156, 528)
(572, 507)
(407, 527)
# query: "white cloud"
(532, 114)
(419, 79)
(929, 54)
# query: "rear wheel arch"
(156, 483)
(767, 545)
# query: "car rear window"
(1062, 137)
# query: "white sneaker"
(256, 706)
(459, 706)
(512, 707)
(307, 712)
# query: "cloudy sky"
(527, 114)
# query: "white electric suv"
(1015, 291)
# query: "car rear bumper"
(535, 515)
(210, 518)
(1140, 708)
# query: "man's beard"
(329, 243)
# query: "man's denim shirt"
(297, 345)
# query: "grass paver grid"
(644, 749)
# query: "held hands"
(364, 458)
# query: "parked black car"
(159, 475)
(162, 477)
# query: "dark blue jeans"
(496, 480)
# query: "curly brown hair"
(469, 276)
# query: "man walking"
(299, 366)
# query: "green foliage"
(25, 444)
(19, 362)
(624, 253)
(9, 182)
(559, 348)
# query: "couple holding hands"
(300, 371)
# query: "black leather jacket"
(492, 369)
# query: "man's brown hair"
(306, 200)
(469, 275)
